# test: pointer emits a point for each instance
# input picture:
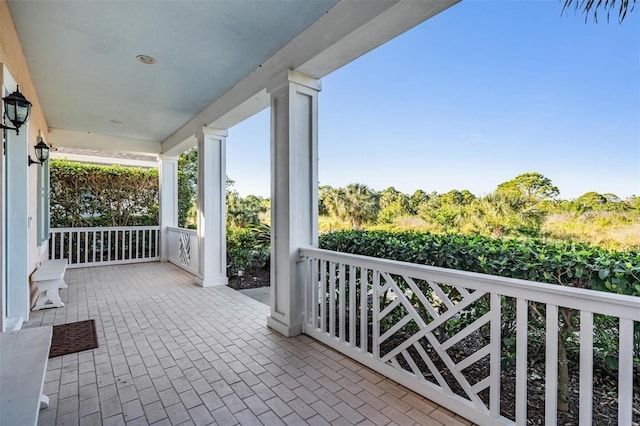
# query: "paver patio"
(174, 353)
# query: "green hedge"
(574, 265)
(93, 195)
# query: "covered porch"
(174, 353)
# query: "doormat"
(73, 337)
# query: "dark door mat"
(73, 337)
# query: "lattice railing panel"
(185, 249)
(416, 330)
(408, 323)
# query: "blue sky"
(473, 97)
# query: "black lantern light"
(16, 109)
(42, 152)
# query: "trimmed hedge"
(93, 195)
(574, 265)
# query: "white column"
(17, 229)
(212, 229)
(168, 177)
(294, 193)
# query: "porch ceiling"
(82, 57)
(214, 60)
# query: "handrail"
(104, 228)
(183, 230)
(577, 298)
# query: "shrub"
(571, 264)
(245, 248)
(92, 195)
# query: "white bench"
(49, 277)
(24, 354)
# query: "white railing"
(435, 330)
(183, 248)
(99, 246)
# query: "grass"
(613, 231)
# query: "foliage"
(243, 212)
(356, 203)
(574, 265)
(446, 212)
(262, 236)
(393, 204)
(245, 249)
(502, 214)
(593, 6)
(93, 195)
(187, 188)
(418, 199)
(531, 186)
(523, 207)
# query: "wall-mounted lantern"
(42, 152)
(16, 109)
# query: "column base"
(13, 323)
(213, 281)
(282, 328)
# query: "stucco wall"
(12, 57)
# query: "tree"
(456, 198)
(361, 204)
(324, 194)
(332, 201)
(591, 200)
(447, 210)
(356, 203)
(593, 6)
(532, 186)
(187, 186)
(418, 200)
(392, 196)
(500, 214)
(393, 204)
(243, 212)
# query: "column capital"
(215, 132)
(168, 158)
(289, 76)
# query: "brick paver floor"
(173, 353)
